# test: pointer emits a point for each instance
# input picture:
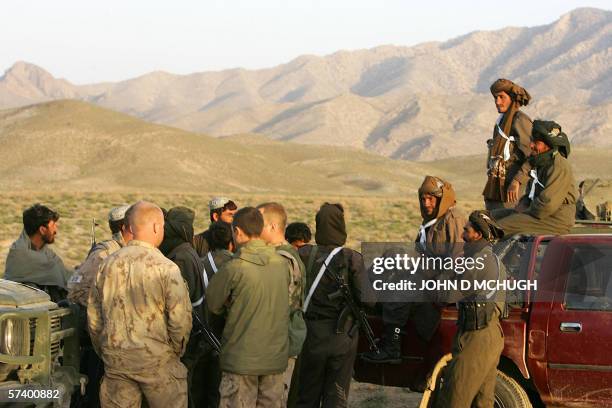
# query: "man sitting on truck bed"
(549, 205)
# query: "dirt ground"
(364, 395)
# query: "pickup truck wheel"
(509, 393)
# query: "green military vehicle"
(39, 348)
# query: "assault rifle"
(351, 308)
(206, 331)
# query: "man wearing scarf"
(549, 205)
(437, 237)
(507, 171)
(469, 378)
(30, 259)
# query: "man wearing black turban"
(469, 377)
(549, 205)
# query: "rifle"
(94, 224)
(206, 331)
(344, 291)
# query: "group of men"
(149, 293)
(154, 292)
(530, 189)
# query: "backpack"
(297, 324)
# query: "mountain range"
(424, 102)
(73, 146)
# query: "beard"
(48, 238)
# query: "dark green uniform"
(469, 378)
(553, 207)
(252, 290)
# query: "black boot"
(390, 349)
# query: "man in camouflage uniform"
(78, 292)
(549, 206)
(507, 166)
(469, 378)
(139, 317)
(275, 220)
(221, 209)
(80, 283)
(252, 289)
(438, 236)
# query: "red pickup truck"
(558, 339)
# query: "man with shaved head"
(139, 316)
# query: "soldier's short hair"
(274, 212)
(298, 231)
(249, 220)
(38, 216)
(115, 226)
(220, 235)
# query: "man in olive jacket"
(252, 289)
(469, 378)
(549, 205)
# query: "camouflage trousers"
(287, 375)
(469, 378)
(248, 391)
(165, 386)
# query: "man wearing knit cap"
(328, 355)
(437, 237)
(221, 209)
(80, 283)
(469, 378)
(549, 205)
(507, 170)
(78, 292)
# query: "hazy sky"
(113, 40)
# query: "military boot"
(390, 349)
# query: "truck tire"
(509, 393)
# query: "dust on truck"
(39, 347)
